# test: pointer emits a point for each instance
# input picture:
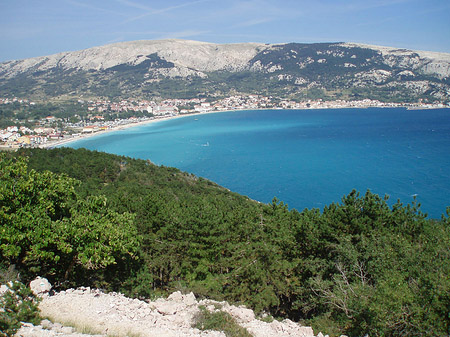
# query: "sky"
(30, 28)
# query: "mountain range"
(187, 69)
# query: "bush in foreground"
(18, 305)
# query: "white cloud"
(134, 5)
(100, 9)
(360, 6)
(159, 35)
(166, 9)
(117, 39)
(183, 34)
(253, 22)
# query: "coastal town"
(98, 116)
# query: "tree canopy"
(357, 267)
(47, 228)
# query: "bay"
(306, 158)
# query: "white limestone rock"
(40, 286)
(3, 289)
(241, 314)
(176, 296)
(114, 313)
(189, 299)
(426, 62)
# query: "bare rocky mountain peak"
(201, 56)
(433, 63)
(402, 51)
(136, 68)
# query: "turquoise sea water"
(306, 158)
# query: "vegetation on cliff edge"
(356, 267)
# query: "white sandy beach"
(51, 144)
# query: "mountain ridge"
(162, 47)
(165, 67)
(169, 43)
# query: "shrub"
(18, 305)
(8, 274)
(219, 321)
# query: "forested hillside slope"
(356, 267)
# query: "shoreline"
(58, 143)
(336, 112)
(51, 144)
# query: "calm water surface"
(307, 158)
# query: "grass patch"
(78, 326)
(267, 319)
(219, 321)
(91, 330)
(128, 334)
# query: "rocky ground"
(88, 312)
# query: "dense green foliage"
(28, 115)
(19, 305)
(47, 229)
(356, 267)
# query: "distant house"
(13, 137)
(90, 129)
(44, 131)
(12, 129)
(24, 140)
(165, 110)
(56, 136)
(24, 129)
(35, 139)
(203, 107)
(5, 135)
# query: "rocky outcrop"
(425, 62)
(40, 286)
(114, 314)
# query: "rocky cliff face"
(424, 62)
(138, 68)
